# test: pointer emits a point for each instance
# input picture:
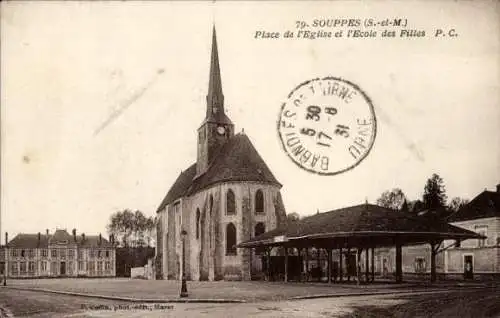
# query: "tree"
(415, 206)
(457, 203)
(393, 199)
(434, 197)
(131, 229)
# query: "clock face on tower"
(221, 130)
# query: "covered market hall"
(348, 237)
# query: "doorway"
(468, 267)
(63, 269)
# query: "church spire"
(215, 98)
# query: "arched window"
(230, 239)
(259, 229)
(198, 216)
(259, 202)
(230, 204)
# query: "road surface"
(465, 303)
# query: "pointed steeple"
(215, 98)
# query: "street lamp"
(184, 291)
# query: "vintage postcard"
(274, 158)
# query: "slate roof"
(27, 241)
(237, 160)
(485, 205)
(365, 220)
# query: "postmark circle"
(327, 125)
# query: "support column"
(329, 265)
(286, 264)
(318, 265)
(367, 265)
(358, 269)
(299, 251)
(268, 261)
(347, 261)
(433, 261)
(307, 263)
(373, 264)
(340, 265)
(399, 263)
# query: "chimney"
(39, 238)
(100, 238)
(83, 237)
(47, 231)
(74, 234)
(6, 238)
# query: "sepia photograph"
(250, 158)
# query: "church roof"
(237, 160)
(485, 205)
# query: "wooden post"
(347, 261)
(286, 264)
(307, 263)
(340, 265)
(329, 265)
(433, 261)
(399, 263)
(373, 264)
(358, 254)
(367, 265)
(318, 252)
(268, 261)
(299, 251)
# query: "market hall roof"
(237, 160)
(360, 225)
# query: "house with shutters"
(58, 255)
(227, 196)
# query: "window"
(80, 254)
(13, 268)
(53, 253)
(14, 253)
(62, 253)
(44, 266)
(99, 254)
(91, 267)
(481, 230)
(259, 202)
(22, 267)
(31, 267)
(107, 254)
(45, 253)
(53, 268)
(107, 266)
(259, 229)
(23, 253)
(230, 239)
(230, 204)
(99, 266)
(81, 265)
(198, 216)
(31, 253)
(71, 254)
(91, 253)
(70, 268)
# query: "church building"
(228, 196)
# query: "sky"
(101, 101)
